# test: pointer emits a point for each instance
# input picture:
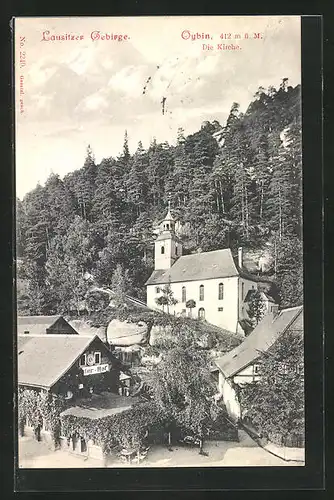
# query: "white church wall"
(226, 318)
(172, 250)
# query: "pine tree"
(137, 180)
(120, 285)
(257, 307)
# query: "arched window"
(220, 291)
(184, 294)
(201, 313)
(167, 226)
(176, 250)
(201, 292)
(162, 249)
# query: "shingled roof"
(197, 266)
(260, 340)
(43, 360)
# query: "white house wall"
(229, 397)
(246, 376)
(228, 318)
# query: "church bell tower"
(168, 247)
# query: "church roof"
(197, 266)
(169, 216)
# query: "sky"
(71, 93)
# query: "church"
(209, 285)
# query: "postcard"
(159, 251)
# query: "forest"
(231, 184)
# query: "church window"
(201, 292)
(184, 294)
(201, 313)
(162, 249)
(221, 291)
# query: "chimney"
(240, 257)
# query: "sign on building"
(90, 370)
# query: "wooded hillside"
(231, 184)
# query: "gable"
(61, 326)
(41, 325)
(44, 359)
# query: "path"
(221, 454)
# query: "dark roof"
(243, 273)
(251, 292)
(44, 359)
(101, 405)
(41, 325)
(259, 340)
(35, 324)
(197, 266)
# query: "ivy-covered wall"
(128, 429)
(37, 407)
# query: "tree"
(257, 307)
(167, 298)
(190, 304)
(281, 388)
(97, 300)
(68, 261)
(120, 285)
(137, 180)
(289, 271)
(181, 383)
